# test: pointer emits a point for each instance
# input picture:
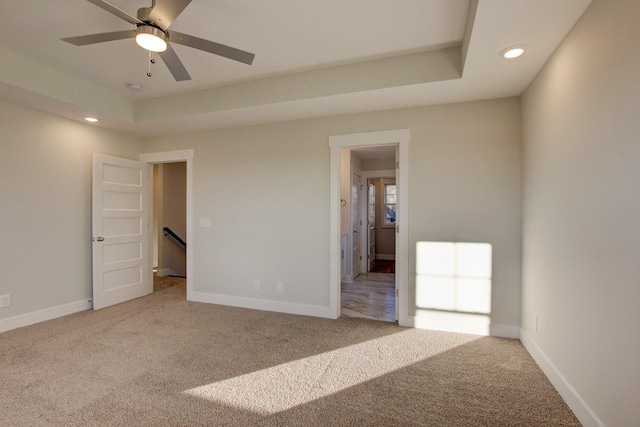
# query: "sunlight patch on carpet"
(285, 386)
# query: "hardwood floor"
(163, 282)
(371, 296)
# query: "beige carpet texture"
(163, 361)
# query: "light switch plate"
(5, 300)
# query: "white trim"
(387, 137)
(581, 410)
(167, 156)
(170, 157)
(399, 138)
(163, 272)
(334, 237)
(43, 315)
(402, 238)
(265, 305)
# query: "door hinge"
(397, 292)
(397, 228)
(397, 164)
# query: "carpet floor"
(164, 361)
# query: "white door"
(371, 222)
(120, 232)
(356, 224)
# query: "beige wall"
(45, 207)
(378, 164)
(582, 214)
(266, 189)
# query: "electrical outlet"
(5, 300)
(279, 287)
(256, 285)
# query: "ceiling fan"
(152, 33)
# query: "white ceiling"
(313, 58)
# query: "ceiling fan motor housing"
(143, 13)
(149, 35)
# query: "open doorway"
(368, 232)
(169, 227)
(337, 143)
(169, 157)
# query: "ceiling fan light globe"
(151, 38)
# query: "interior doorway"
(169, 226)
(185, 158)
(368, 282)
(337, 144)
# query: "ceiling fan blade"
(174, 64)
(166, 11)
(116, 11)
(99, 38)
(212, 47)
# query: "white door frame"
(172, 157)
(400, 138)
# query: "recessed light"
(91, 119)
(513, 52)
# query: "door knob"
(355, 231)
(100, 239)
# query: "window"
(390, 198)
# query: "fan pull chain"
(151, 61)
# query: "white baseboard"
(462, 326)
(584, 414)
(162, 272)
(43, 315)
(266, 305)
